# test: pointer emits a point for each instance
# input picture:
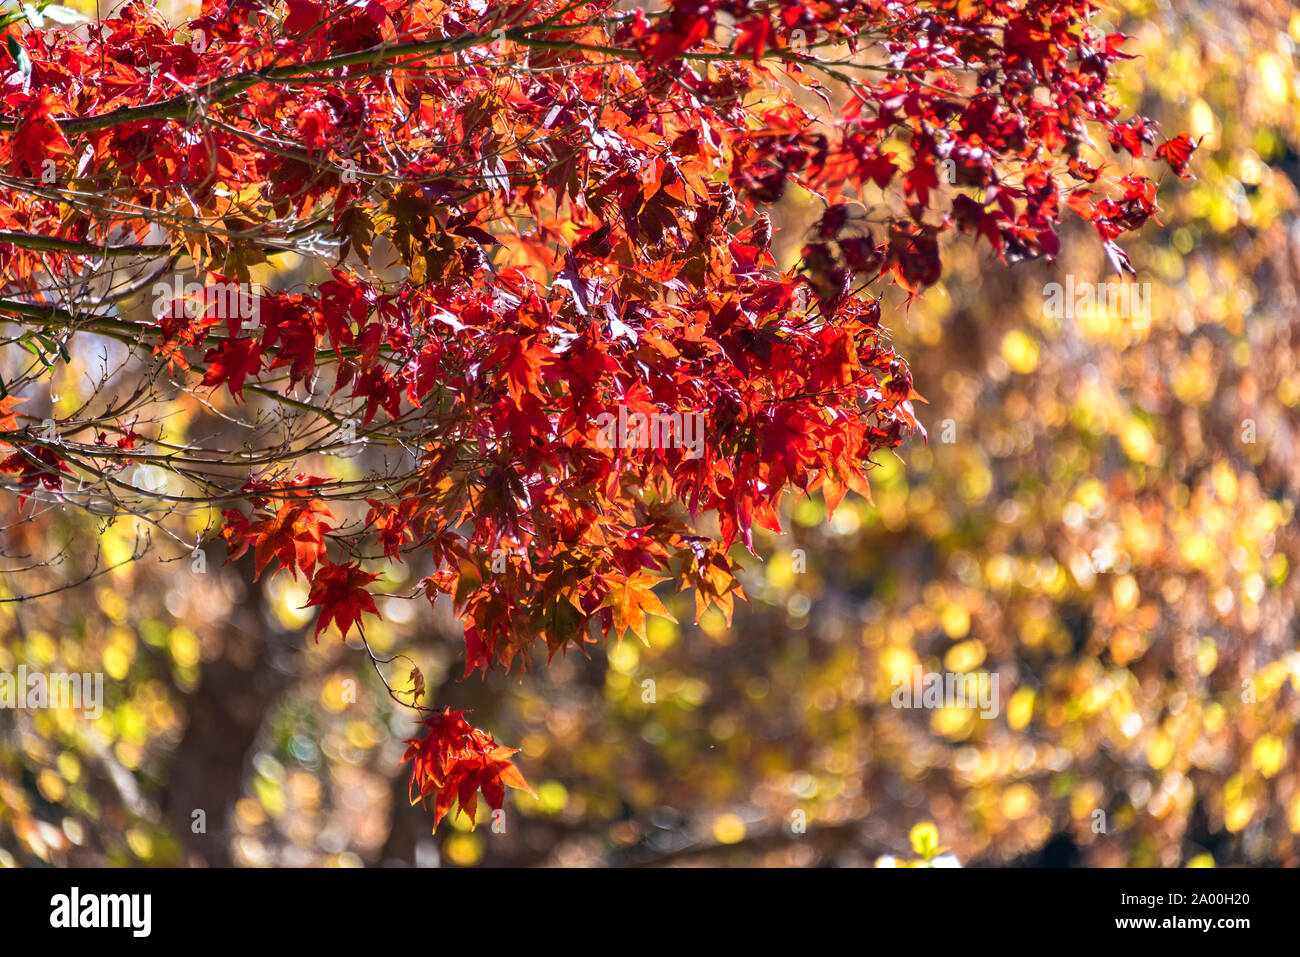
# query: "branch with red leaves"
(542, 219)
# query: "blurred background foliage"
(1103, 516)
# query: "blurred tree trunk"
(226, 712)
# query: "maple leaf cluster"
(573, 199)
(453, 761)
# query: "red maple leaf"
(1131, 136)
(340, 591)
(754, 36)
(37, 137)
(921, 178)
(1177, 152)
(234, 530)
(879, 168)
(232, 362)
(35, 464)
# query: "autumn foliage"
(573, 196)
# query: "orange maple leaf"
(294, 535)
(630, 599)
(8, 421)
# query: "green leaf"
(19, 56)
(34, 350)
(43, 345)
